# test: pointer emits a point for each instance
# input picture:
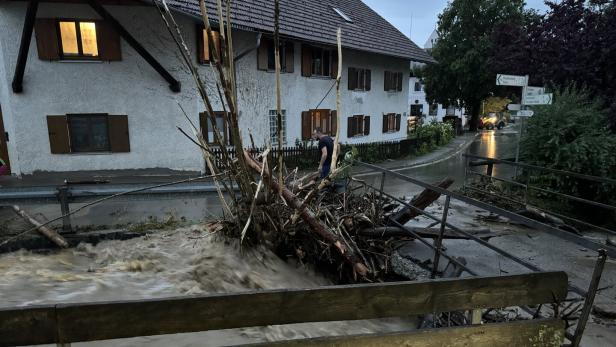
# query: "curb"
(455, 152)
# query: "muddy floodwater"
(168, 263)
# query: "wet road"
(489, 143)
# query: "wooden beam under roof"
(24, 46)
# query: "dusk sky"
(424, 14)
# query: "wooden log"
(315, 225)
(43, 230)
(537, 332)
(122, 319)
(421, 201)
(385, 232)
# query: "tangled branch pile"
(301, 217)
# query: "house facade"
(101, 86)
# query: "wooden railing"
(80, 322)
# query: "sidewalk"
(457, 145)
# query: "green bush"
(572, 134)
(438, 134)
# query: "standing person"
(326, 147)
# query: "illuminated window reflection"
(68, 33)
(80, 43)
(88, 38)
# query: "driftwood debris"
(421, 201)
(43, 230)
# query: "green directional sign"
(541, 99)
(511, 80)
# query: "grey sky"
(424, 14)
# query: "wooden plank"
(99, 321)
(31, 325)
(533, 333)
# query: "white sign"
(514, 107)
(543, 99)
(511, 80)
(534, 91)
(525, 113)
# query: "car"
(493, 120)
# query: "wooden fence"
(307, 156)
(81, 322)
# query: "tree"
(462, 78)
(574, 42)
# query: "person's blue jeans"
(325, 171)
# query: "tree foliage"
(572, 135)
(574, 42)
(462, 78)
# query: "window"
(319, 62)
(416, 110)
(208, 130)
(393, 81)
(358, 125)
(88, 133)
(343, 15)
(273, 125)
(206, 50)
(324, 119)
(391, 122)
(266, 56)
(433, 110)
(418, 86)
(359, 79)
(78, 39)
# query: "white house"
(418, 105)
(93, 85)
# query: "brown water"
(180, 262)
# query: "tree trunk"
(475, 110)
(45, 231)
(421, 201)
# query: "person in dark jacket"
(326, 147)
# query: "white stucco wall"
(132, 87)
(419, 98)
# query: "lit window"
(343, 15)
(78, 39)
(273, 123)
(206, 55)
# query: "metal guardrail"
(490, 162)
(602, 250)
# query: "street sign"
(542, 99)
(514, 107)
(511, 80)
(534, 91)
(525, 113)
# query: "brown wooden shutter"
(109, 45)
(333, 120)
(201, 58)
(398, 121)
(366, 125)
(216, 39)
(262, 54)
(385, 122)
(118, 133)
(400, 77)
(306, 61)
(352, 78)
(334, 65)
(290, 57)
(306, 125)
(368, 79)
(350, 127)
(47, 39)
(57, 127)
